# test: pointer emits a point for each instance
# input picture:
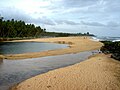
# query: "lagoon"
(24, 47)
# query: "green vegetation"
(111, 47)
(60, 34)
(13, 28)
(19, 29)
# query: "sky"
(99, 17)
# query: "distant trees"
(13, 28)
(88, 33)
(60, 34)
(1, 18)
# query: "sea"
(106, 38)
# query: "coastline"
(99, 72)
(76, 44)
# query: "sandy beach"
(99, 72)
(75, 45)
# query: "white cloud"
(113, 24)
(96, 15)
(67, 22)
(92, 23)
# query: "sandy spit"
(99, 72)
(76, 44)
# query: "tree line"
(14, 28)
(61, 34)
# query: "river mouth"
(13, 72)
(25, 47)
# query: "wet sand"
(76, 44)
(99, 72)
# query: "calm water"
(23, 47)
(13, 72)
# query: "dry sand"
(99, 72)
(76, 44)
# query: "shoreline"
(74, 44)
(99, 72)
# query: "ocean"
(106, 38)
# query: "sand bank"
(99, 72)
(76, 44)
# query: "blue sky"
(100, 17)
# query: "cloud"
(92, 23)
(13, 13)
(78, 3)
(113, 24)
(112, 6)
(42, 21)
(68, 22)
(46, 21)
(71, 15)
(98, 24)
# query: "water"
(106, 38)
(23, 47)
(15, 71)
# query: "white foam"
(95, 39)
(115, 40)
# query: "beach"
(75, 45)
(99, 72)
